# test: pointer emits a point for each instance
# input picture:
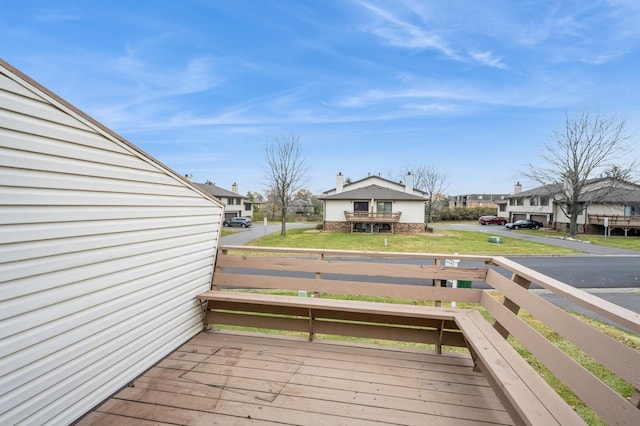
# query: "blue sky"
(472, 88)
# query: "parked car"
(488, 220)
(241, 221)
(525, 224)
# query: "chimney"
(234, 187)
(518, 188)
(339, 183)
(408, 183)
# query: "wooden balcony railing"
(625, 223)
(372, 217)
(418, 276)
(617, 221)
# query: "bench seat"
(523, 392)
(525, 395)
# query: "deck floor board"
(238, 378)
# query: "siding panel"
(102, 253)
(37, 109)
(29, 127)
(93, 153)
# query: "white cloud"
(401, 33)
(488, 59)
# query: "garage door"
(540, 218)
(519, 217)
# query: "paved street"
(245, 235)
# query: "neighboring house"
(235, 204)
(374, 204)
(617, 200)
(300, 206)
(476, 200)
(102, 249)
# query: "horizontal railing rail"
(356, 216)
(614, 220)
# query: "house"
(235, 204)
(102, 249)
(374, 204)
(300, 206)
(614, 199)
(476, 200)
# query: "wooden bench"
(525, 395)
(313, 315)
(523, 392)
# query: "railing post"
(438, 303)
(511, 305)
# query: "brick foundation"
(405, 228)
(337, 226)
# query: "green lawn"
(441, 241)
(629, 243)
(225, 232)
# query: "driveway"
(246, 235)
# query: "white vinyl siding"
(102, 253)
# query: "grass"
(442, 241)
(629, 243)
(225, 232)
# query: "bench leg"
(440, 335)
(311, 319)
(204, 304)
(474, 356)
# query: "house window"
(361, 206)
(544, 201)
(384, 208)
(519, 201)
(533, 201)
(631, 211)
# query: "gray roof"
(611, 193)
(346, 185)
(217, 191)
(541, 190)
(373, 192)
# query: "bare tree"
(585, 146)
(286, 170)
(620, 173)
(430, 180)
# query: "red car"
(488, 220)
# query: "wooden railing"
(626, 223)
(618, 221)
(371, 217)
(418, 278)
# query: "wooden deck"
(238, 378)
